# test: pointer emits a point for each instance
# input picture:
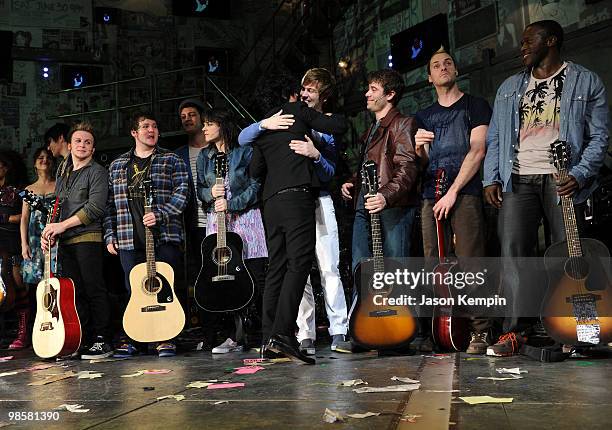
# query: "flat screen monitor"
(77, 76)
(413, 47)
(219, 9)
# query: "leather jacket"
(392, 149)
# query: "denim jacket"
(583, 124)
(243, 188)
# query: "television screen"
(216, 60)
(202, 8)
(76, 76)
(413, 47)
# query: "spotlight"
(45, 69)
(390, 57)
(344, 62)
(390, 64)
(45, 75)
(106, 17)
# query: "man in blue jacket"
(551, 100)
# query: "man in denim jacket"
(551, 100)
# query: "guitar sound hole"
(152, 285)
(577, 268)
(222, 255)
(48, 301)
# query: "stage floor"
(567, 395)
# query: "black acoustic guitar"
(577, 308)
(373, 325)
(224, 284)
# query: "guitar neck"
(150, 248)
(569, 218)
(377, 243)
(441, 244)
(571, 227)
(221, 228)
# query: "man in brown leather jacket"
(389, 142)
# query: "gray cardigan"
(85, 197)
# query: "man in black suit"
(289, 216)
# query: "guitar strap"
(550, 354)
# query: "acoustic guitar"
(371, 325)
(224, 284)
(154, 313)
(449, 332)
(577, 307)
(57, 328)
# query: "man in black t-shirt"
(451, 136)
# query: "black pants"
(82, 262)
(290, 234)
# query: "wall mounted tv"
(413, 47)
(77, 76)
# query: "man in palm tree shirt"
(550, 100)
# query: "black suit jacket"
(274, 160)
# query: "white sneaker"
(228, 346)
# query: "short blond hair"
(82, 126)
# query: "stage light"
(344, 62)
(45, 72)
(390, 57)
(106, 17)
(45, 75)
(390, 64)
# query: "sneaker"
(124, 350)
(337, 339)
(100, 349)
(507, 345)
(478, 343)
(228, 346)
(166, 349)
(307, 347)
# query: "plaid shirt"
(169, 178)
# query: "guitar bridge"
(223, 278)
(46, 326)
(383, 313)
(153, 308)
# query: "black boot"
(289, 346)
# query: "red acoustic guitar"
(57, 328)
(448, 332)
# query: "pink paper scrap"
(248, 370)
(7, 358)
(157, 371)
(222, 386)
(254, 360)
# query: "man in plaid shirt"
(125, 220)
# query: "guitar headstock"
(560, 153)
(370, 177)
(220, 164)
(441, 183)
(148, 192)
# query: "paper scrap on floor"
(352, 382)
(405, 380)
(390, 388)
(177, 397)
(512, 371)
(72, 408)
(330, 416)
(364, 415)
(248, 370)
(477, 400)
(224, 386)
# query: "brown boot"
(23, 339)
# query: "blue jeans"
(396, 229)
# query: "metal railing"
(156, 94)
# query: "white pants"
(328, 257)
